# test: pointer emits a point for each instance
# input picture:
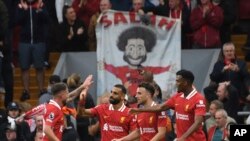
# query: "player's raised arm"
(81, 105)
(87, 82)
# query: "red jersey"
(114, 124)
(185, 110)
(148, 124)
(54, 117)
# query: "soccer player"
(115, 120)
(152, 126)
(52, 113)
(189, 106)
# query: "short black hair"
(187, 75)
(148, 86)
(54, 79)
(120, 86)
(57, 88)
(136, 32)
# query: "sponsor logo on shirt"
(107, 127)
(200, 104)
(147, 130)
(181, 116)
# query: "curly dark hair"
(143, 33)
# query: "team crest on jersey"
(51, 116)
(186, 108)
(151, 119)
(122, 119)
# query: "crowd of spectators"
(33, 28)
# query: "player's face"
(142, 95)
(64, 96)
(116, 96)
(180, 83)
(135, 51)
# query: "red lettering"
(119, 18)
(153, 19)
(132, 17)
(166, 23)
(105, 21)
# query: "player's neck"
(188, 91)
(117, 106)
(58, 102)
(148, 103)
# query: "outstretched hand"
(88, 81)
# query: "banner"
(129, 44)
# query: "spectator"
(37, 134)
(85, 9)
(189, 106)
(206, 20)
(229, 96)
(229, 12)
(82, 123)
(22, 129)
(220, 131)
(11, 134)
(6, 70)
(104, 6)
(32, 43)
(232, 69)
(214, 106)
(115, 121)
(73, 32)
(179, 10)
(45, 98)
(124, 5)
(137, 5)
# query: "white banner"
(126, 47)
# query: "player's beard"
(114, 101)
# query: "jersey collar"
(54, 103)
(191, 94)
(121, 109)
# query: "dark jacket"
(240, 79)
(78, 42)
(33, 25)
(4, 19)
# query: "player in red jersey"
(53, 116)
(151, 126)
(189, 106)
(114, 118)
